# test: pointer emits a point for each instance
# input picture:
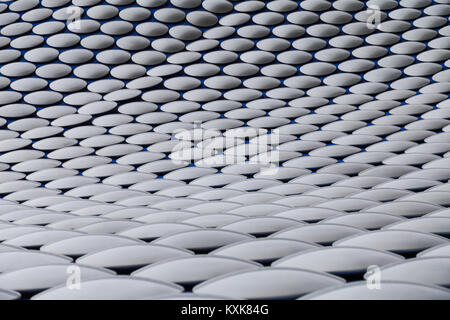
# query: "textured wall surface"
(157, 149)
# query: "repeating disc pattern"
(220, 149)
